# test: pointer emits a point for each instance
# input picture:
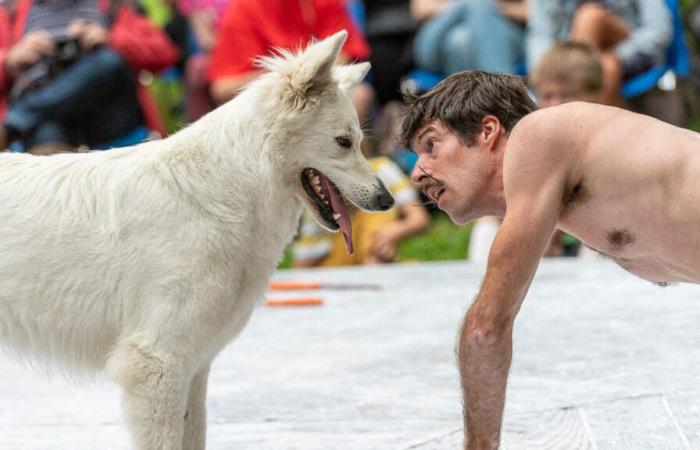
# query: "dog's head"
(322, 155)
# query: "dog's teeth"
(336, 216)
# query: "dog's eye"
(344, 141)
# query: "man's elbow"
(487, 330)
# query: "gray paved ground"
(602, 361)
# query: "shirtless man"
(625, 184)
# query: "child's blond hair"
(571, 63)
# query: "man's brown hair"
(571, 63)
(462, 100)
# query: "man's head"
(462, 100)
(569, 71)
(459, 130)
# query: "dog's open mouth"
(329, 203)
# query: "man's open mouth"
(438, 195)
(434, 193)
(328, 202)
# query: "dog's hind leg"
(155, 394)
(196, 413)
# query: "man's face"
(452, 174)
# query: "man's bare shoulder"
(560, 119)
(548, 132)
(567, 131)
(549, 143)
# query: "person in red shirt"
(251, 28)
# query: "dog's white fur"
(144, 262)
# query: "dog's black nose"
(385, 200)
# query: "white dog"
(144, 262)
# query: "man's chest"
(638, 242)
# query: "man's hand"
(413, 220)
(89, 34)
(384, 244)
(30, 49)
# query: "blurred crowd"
(100, 74)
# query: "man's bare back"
(633, 187)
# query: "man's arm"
(533, 195)
(142, 45)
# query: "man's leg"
(89, 78)
(503, 48)
(428, 47)
(598, 27)
(109, 116)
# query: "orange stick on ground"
(310, 285)
(293, 285)
(294, 301)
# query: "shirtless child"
(624, 184)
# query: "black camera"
(68, 51)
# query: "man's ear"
(490, 130)
(349, 76)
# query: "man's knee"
(589, 24)
(589, 14)
(595, 25)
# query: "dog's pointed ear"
(349, 76)
(306, 75)
(320, 58)
(314, 73)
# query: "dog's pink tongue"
(338, 206)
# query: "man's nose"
(417, 175)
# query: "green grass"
(443, 240)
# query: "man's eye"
(344, 141)
(430, 144)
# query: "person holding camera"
(67, 73)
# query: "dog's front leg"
(155, 394)
(196, 413)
